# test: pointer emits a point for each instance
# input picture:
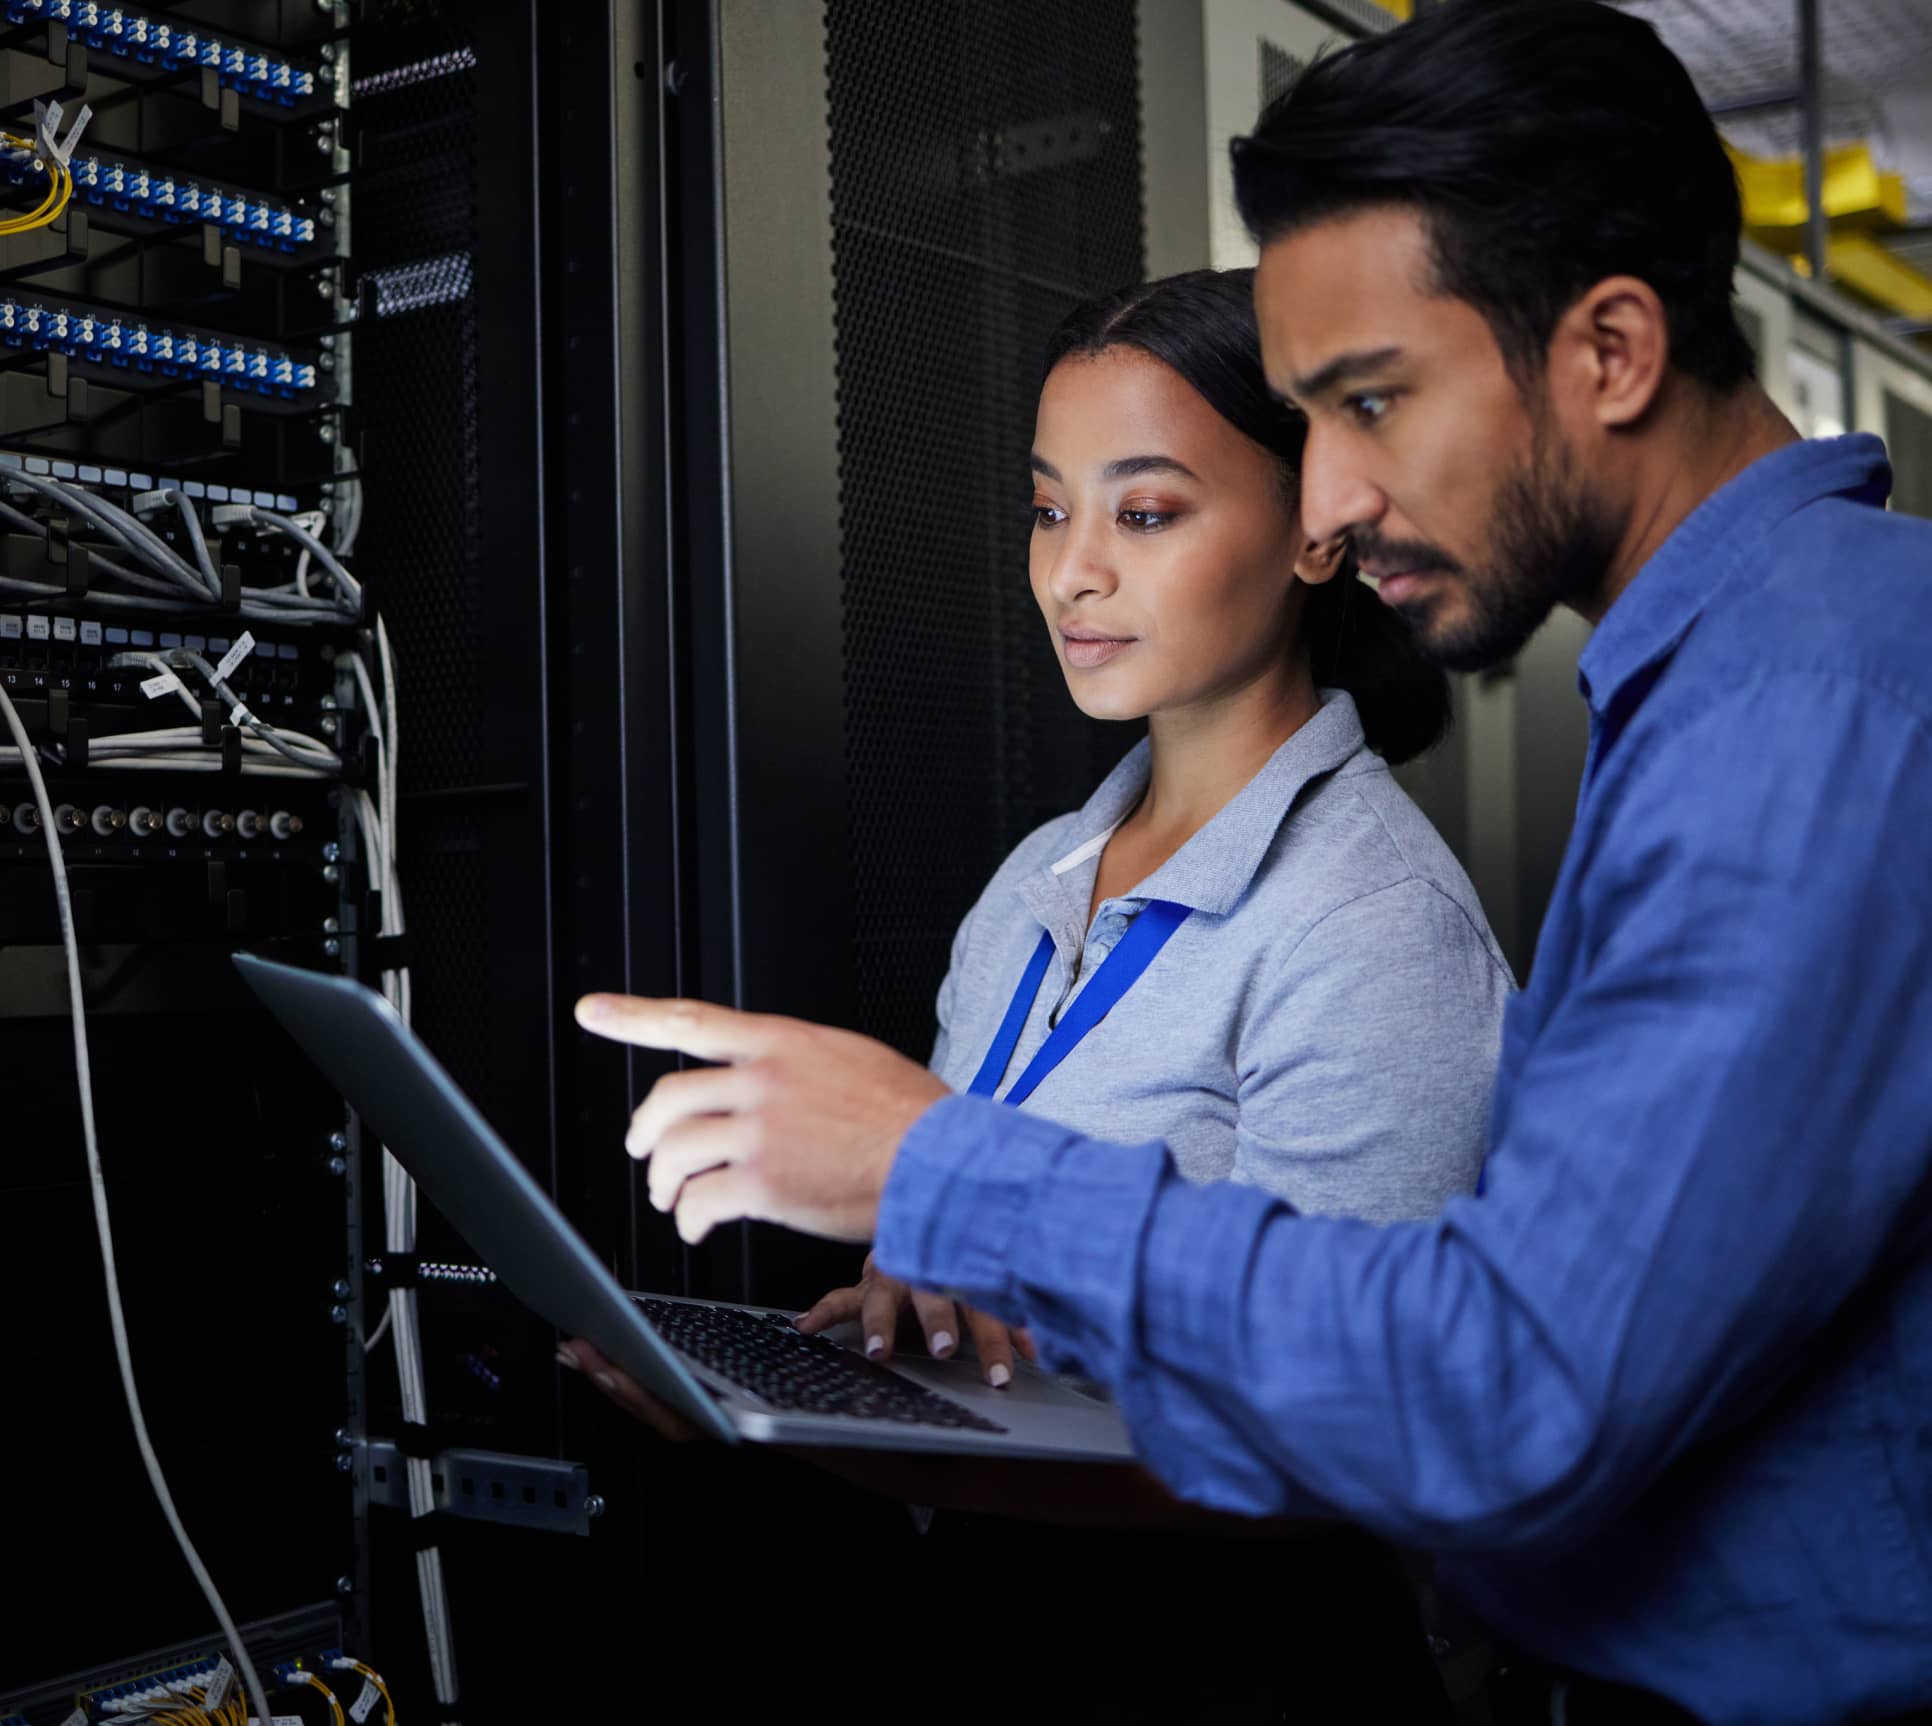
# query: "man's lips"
(1397, 586)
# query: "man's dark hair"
(1201, 325)
(1548, 144)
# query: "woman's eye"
(1045, 515)
(1145, 520)
(1369, 408)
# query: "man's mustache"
(1387, 557)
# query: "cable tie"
(399, 1270)
(390, 952)
(426, 1532)
(421, 1442)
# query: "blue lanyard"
(1118, 973)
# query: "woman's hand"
(576, 1355)
(879, 1300)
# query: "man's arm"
(1717, 1137)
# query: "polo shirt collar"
(1211, 872)
(1657, 610)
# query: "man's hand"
(799, 1125)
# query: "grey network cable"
(258, 1698)
(199, 541)
(346, 584)
(133, 537)
(170, 575)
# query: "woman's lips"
(1084, 653)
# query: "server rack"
(684, 352)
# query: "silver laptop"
(738, 1372)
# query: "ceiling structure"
(1877, 82)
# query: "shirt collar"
(1656, 611)
(1211, 872)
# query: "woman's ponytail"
(1357, 643)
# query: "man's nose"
(1337, 493)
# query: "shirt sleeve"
(1717, 1137)
(1365, 1068)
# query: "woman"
(1322, 1016)
(1299, 991)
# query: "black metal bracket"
(487, 1486)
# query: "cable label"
(161, 683)
(219, 1686)
(278, 1720)
(365, 1704)
(235, 655)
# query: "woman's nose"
(1083, 569)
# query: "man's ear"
(1319, 560)
(1610, 351)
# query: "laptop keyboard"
(802, 1374)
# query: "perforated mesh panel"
(1279, 70)
(417, 433)
(985, 179)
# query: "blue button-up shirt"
(1663, 1397)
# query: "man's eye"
(1045, 515)
(1145, 520)
(1368, 408)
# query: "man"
(1662, 1397)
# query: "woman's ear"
(1320, 560)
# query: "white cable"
(117, 1320)
(377, 821)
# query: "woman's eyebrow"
(1126, 467)
(1130, 465)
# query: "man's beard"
(1552, 544)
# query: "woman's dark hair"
(1548, 144)
(1202, 326)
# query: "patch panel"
(131, 188)
(169, 45)
(106, 338)
(161, 820)
(125, 479)
(40, 652)
(134, 1694)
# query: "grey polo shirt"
(1325, 1024)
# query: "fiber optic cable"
(300, 1675)
(60, 188)
(344, 1663)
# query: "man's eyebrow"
(1343, 368)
